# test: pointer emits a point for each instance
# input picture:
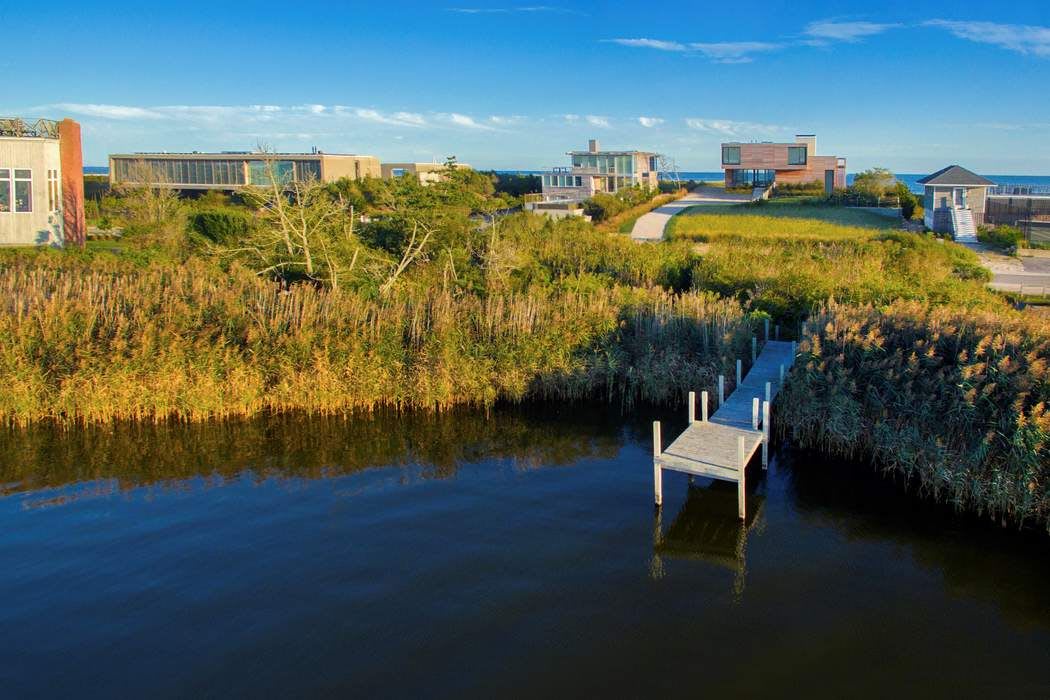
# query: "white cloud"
(1023, 38)
(466, 122)
(659, 44)
(601, 122)
(571, 118)
(719, 52)
(373, 115)
(508, 10)
(823, 32)
(650, 122)
(108, 111)
(730, 127)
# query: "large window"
(731, 155)
(54, 199)
(5, 190)
(258, 172)
(796, 155)
(23, 190)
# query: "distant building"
(41, 182)
(764, 164)
(954, 201)
(595, 170)
(233, 170)
(426, 172)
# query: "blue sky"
(910, 86)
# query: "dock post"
(658, 478)
(765, 435)
(781, 375)
(721, 390)
(692, 407)
(776, 332)
(754, 349)
(754, 413)
(740, 486)
(794, 350)
(769, 392)
(739, 373)
(765, 329)
(703, 406)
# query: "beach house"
(594, 170)
(766, 163)
(954, 200)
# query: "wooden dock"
(720, 446)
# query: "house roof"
(956, 175)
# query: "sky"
(904, 85)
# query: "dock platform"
(720, 446)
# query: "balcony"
(19, 128)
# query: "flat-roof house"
(954, 201)
(425, 172)
(767, 163)
(232, 170)
(41, 182)
(595, 170)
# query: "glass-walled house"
(594, 170)
(234, 170)
(765, 164)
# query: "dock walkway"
(721, 446)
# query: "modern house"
(41, 182)
(425, 172)
(595, 170)
(954, 200)
(232, 170)
(767, 163)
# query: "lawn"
(776, 220)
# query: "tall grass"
(90, 342)
(955, 400)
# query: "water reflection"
(708, 528)
(102, 461)
(976, 559)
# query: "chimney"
(72, 160)
(592, 146)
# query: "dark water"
(510, 555)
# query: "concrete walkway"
(1028, 274)
(650, 227)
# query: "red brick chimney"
(72, 158)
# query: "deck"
(721, 446)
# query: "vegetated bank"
(913, 363)
(357, 295)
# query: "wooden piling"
(769, 391)
(740, 486)
(703, 406)
(781, 375)
(766, 432)
(739, 374)
(692, 407)
(754, 349)
(721, 390)
(776, 332)
(754, 413)
(658, 477)
(765, 329)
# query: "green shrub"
(1000, 236)
(219, 225)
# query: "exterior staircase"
(963, 228)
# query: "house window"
(397, 172)
(731, 155)
(796, 155)
(5, 190)
(23, 191)
(54, 200)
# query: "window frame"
(8, 181)
(14, 190)
(54, 191)
(728, 149)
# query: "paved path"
(1010, 274)
(650, 227)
